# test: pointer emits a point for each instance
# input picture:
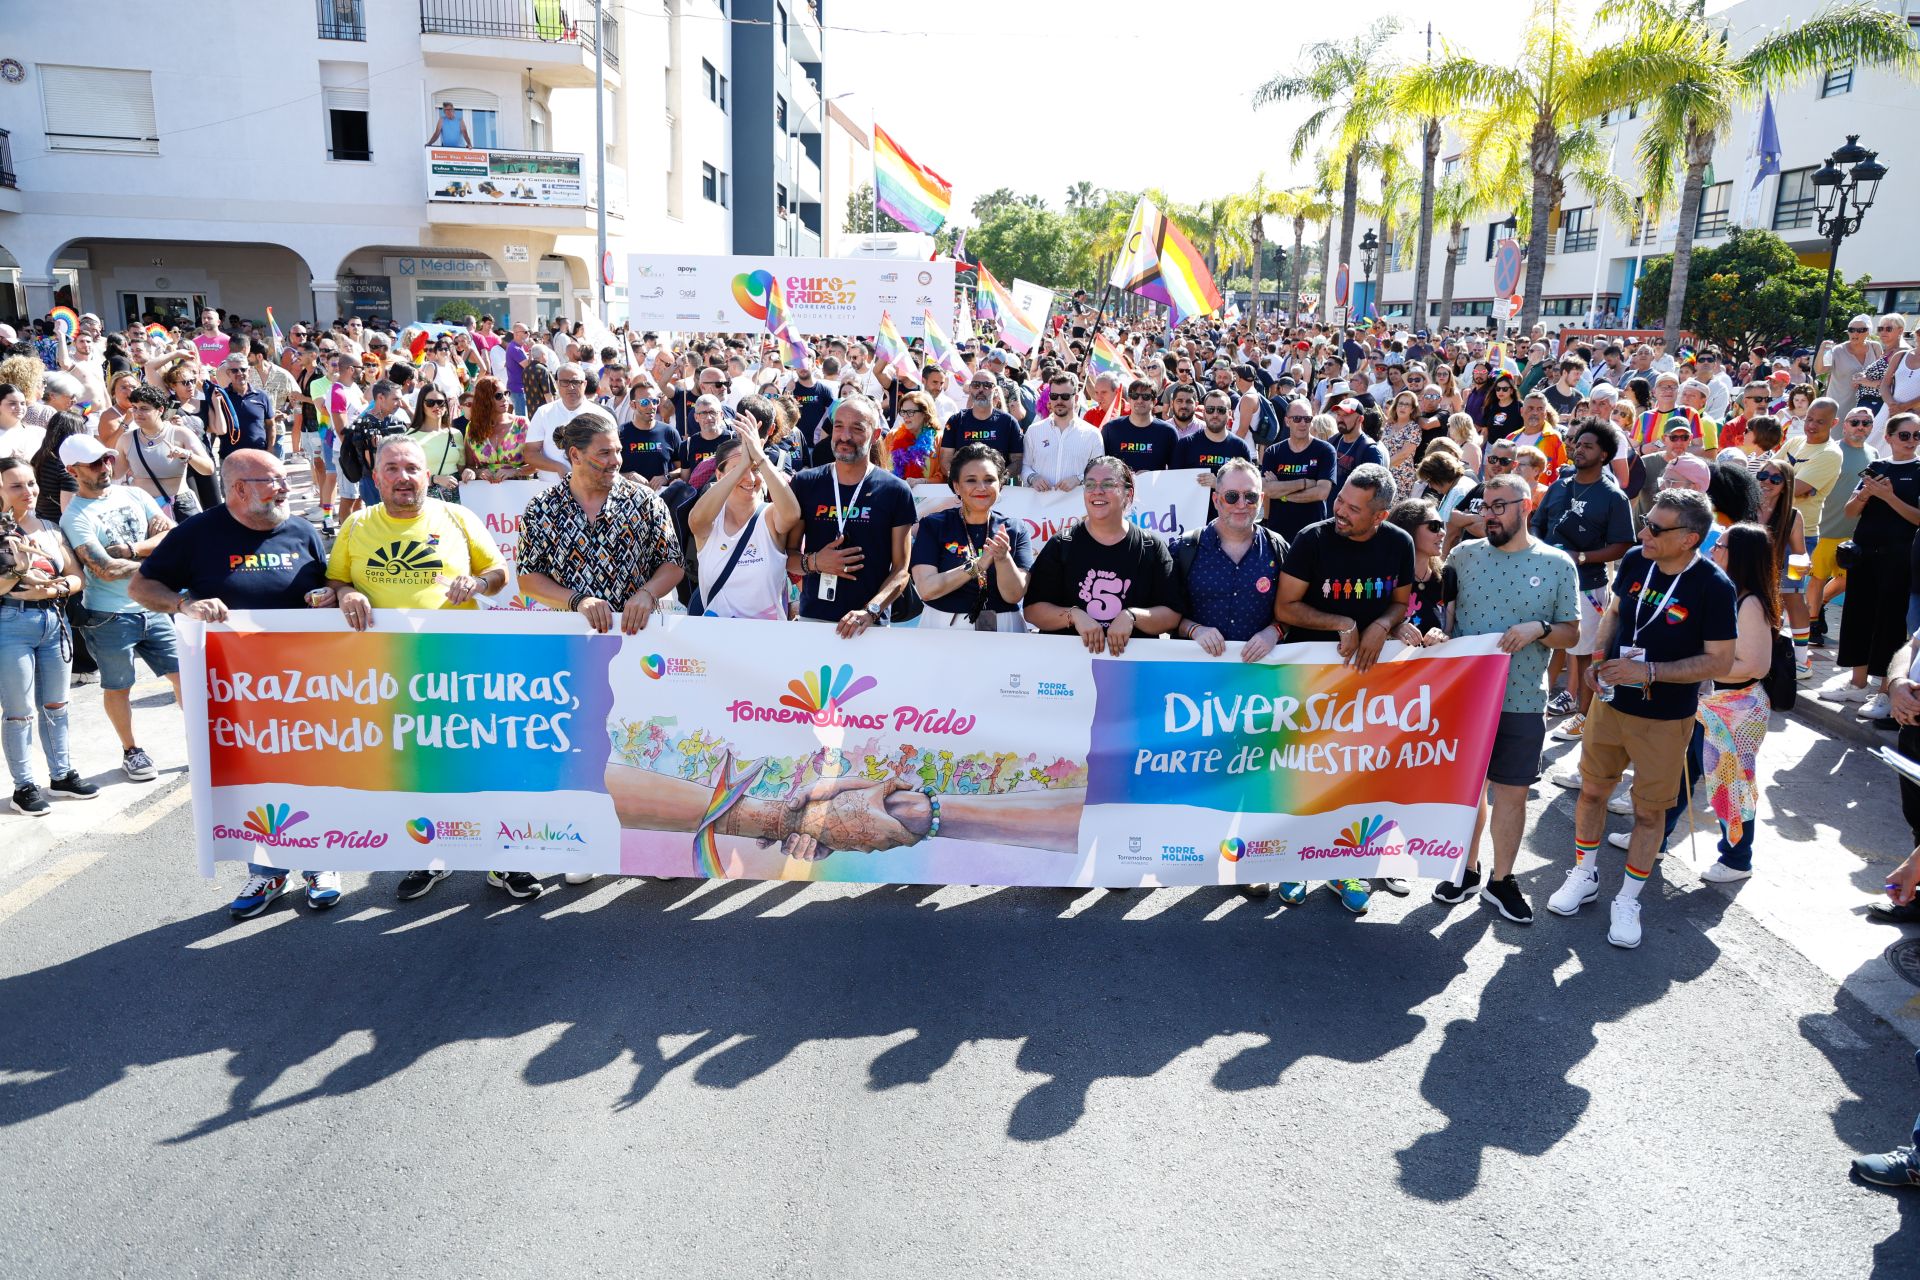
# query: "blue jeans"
(33, 672)
(1738, 856)
(113, 639)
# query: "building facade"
(1595, 260)
(393, 157)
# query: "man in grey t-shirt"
(1827, 581)
(1528, 593)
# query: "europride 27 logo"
(427, 830)
(656, 666)
(820, 697)
(1233, 848)
(750, 290)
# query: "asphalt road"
(670, 1078)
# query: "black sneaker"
(520, 884)
(30, 801)
(137, 765)
(72, 786)
(1452, 895)
(416, 883)
(1507, 899)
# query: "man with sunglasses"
(1753, 402)
(1060, 445)
(981, 423)
(1300, 470)
(539, 451)
(1669, 628)
(1141, 440)
(1526, 592)
(648, 447)
(1209, 448)
(251, 552)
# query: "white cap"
(82, 450)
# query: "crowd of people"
(1657, 538)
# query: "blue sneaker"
(323, 889)
(1893, 1169)
(1291, 892)
(257, 895)
(1354, 894)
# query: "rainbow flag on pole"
(911, 194)
(273, 327)
(1017, 328)
(941, 351)
(1107, 358)
(779, 324)
(890, 350)
(1159, 262)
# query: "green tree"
(456, 311)
(1001, 198)
(860, 213)
(1021, 240)
(1750, 289)
(1352, 83)
(1692, 111)
(1561, 80)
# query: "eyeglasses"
(1859, 422)
(1105, 486)
(1298, 417)
(1234, 497)
(1906, 435)
(1771, 477)
(1501, 508)
(1499, 460)
(1655, 530)
(905, 409)
(278, 482)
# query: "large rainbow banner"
(719, 748)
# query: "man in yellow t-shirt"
(411, 551)
(416, 552)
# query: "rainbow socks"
(1586, 854)
(1630, 887)
(1802, 637)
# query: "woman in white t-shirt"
(742, 520)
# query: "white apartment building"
(290, 154)
(1591, 254)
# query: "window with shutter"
(99, 109)
(349, 136)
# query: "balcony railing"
(6, 160)
(341, 19)
(549, 21)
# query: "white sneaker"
(1619, 839)
(1843, 689)
(1625, 929)
(579, 877)
(1570, 729)
(1876, 708)
(1721, 873)
(1581, 887)
(1621, 803)
(1568, 777)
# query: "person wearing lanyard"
(1670, 625)
(852, 535)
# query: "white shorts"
(1592, 604)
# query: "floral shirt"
(610, 557)
(506, 453)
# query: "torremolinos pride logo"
(820, 698)
(270, 820)
(825, 691)
(1378, 834)
(750, 290)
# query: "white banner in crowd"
(499, 507)
(1035, 301)
(1164, 502)
(722, 748)
(825, 296)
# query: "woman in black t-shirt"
(970, 562)
(1500, 413)
(1873, 619)
(1432, 589)
(1106, 579)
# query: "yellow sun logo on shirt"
(400, 558)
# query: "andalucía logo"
(540, 833)
(820, 698)
(750, 290)
(1376, 835)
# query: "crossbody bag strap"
(709, 594)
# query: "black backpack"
(1782, 679)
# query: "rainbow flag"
(1106, 358)
(1017, 329)
(273, 326)
(911, 194)
(890, 350)
(941, 351)
(779, 324)
(1159, 262)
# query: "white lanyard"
(1646, 590)
(839, 507)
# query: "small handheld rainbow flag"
(65, 320)
(1107, 358)
(1017, 328)
(911, 194)
(273, 327)
(941, 351)
(779, 324)
(890, 349)
(158, 333)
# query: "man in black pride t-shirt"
(1349, 580)
(1106, 579)
(852, 534)
(1142, 441)
(1669, 627)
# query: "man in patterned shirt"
(600, 542)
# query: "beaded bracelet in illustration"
(933, 802)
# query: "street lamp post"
(1844, 199)
(1368, 244)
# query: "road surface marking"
(18, 900)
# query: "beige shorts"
(1657, 750)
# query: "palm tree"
(1300, 206)
(1350, 81)
(1251, 208)
(1694, 110)
(1081, 195)
(1558, 81)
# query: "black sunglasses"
(1235, 497)
(434, 404)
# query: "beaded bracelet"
(573, 601)
(933, 801)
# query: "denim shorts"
(113, 639)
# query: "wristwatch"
(876, 610)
